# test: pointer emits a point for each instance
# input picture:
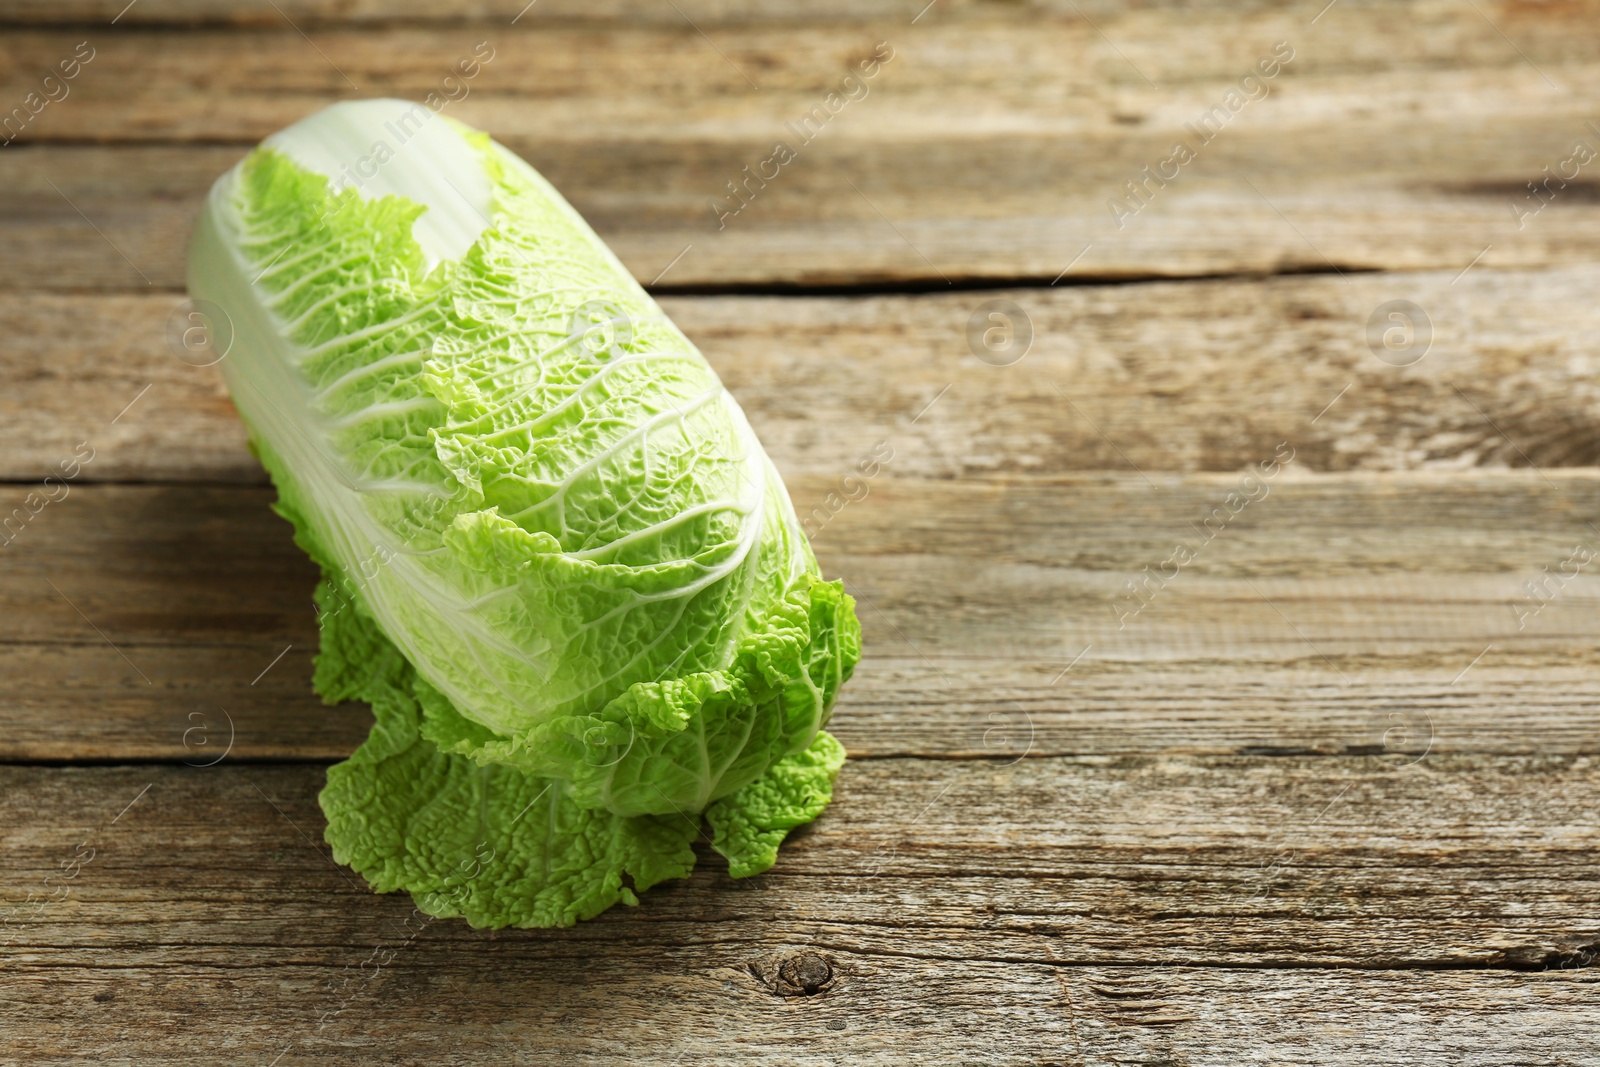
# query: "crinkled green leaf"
(492, 844)
(752, 823)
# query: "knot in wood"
(804, 974)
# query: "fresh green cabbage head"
(556, 561)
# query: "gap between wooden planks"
(985, 150)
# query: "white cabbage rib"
(453, 620)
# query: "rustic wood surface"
(1192, 376)
(1400, 136)
(1326, 796)
(1389, 588)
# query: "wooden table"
(1323, 791)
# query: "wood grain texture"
(1426, 886)
(508, 1009)
(885, 1010)
(1324, 795)
(1087, 861)
(1192, 376)
(989, 148)
(1335, 615)
(257, 14)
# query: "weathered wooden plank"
(601, 72)
(699, 1006)
(320, 14)
(1155, 377)
(1451, 861)
(1333, 615)
(1312, 803)
(988, 148)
